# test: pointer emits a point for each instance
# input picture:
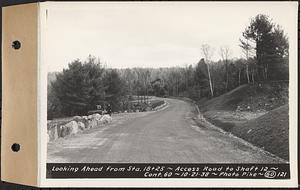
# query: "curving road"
(166, 136)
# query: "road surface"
(166, 136)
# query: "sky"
(150, 34)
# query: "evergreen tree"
(80, 87)
(115, 92)
(201, 77)
(271, 44)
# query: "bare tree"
(246, 51)
(225, 53)
(239, 64)
(144, 79)
(207, 52)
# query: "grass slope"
(257, 113)
(270, 131)
(227, 101)
(250, 97)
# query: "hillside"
(248, 97)
(257, 113)
(270, 131)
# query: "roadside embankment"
(256, 113)
(269, 131)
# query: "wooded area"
(85, 84)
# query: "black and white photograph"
(169, 82)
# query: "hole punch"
(16, 44)
(15, 147)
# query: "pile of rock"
(76, 124)
(160, 106)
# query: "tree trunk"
(210, 83)
(239, 77)
(247, 73)
(266, 72)
(226, 85)
(199, 92)
(177, 87)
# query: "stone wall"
(75, 125)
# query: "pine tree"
(271, 44)
(79, 87)
(115, 91)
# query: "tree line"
(85, 84)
